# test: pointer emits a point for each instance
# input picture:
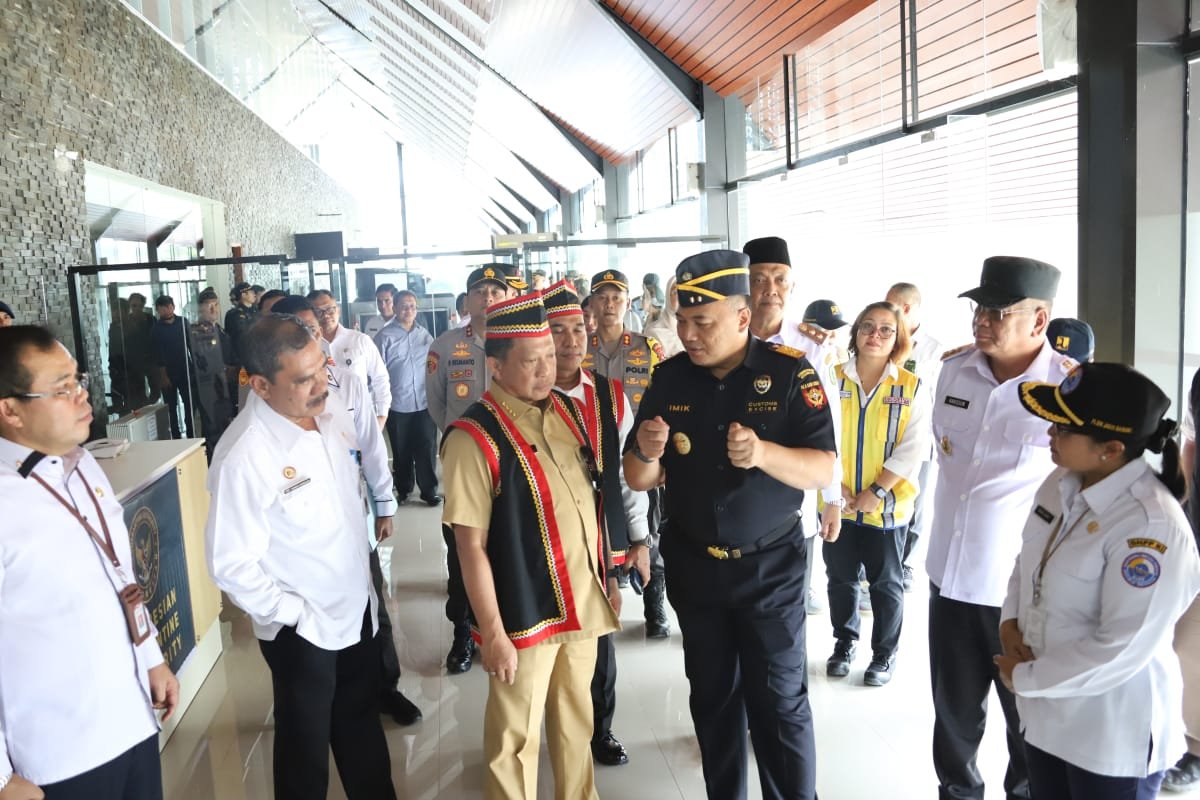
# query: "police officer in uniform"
(992, 456)
(456, 377)
(616, 352)
(237, 320)
(738, 429)
(212, 355)
(1107, 565)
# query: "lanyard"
(105, 544)
(1052, 545)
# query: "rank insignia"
(683, 445)
(289, 473)
(945, 445)
(762, 384)
(243, 377)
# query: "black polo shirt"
(773, 391)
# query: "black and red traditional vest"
(524, 546)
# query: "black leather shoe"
(1184, 776)
(432, 499)
(401, 709)
(654, 600)
(609, 752)
(879, 671)
(838, 665)
(462, 651)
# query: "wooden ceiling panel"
(730, 44)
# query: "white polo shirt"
(1105, 684)
(992, 455)
(74, 690)
(285, 535)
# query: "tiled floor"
(871, 742)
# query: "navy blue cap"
(1072, 337)
(610, 277)
(825, 314)
(7, 309)
(712, 276)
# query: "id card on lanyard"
(133, 601)
(1035, 616)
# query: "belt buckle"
(719, 553)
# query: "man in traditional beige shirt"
(521, 496)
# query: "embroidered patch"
(1153, 544)
(460, 374)
(957, 402)
(896, 400)
(461, 390)
(845, 395)
(762, 384)
(814, 395)
(431, 363)
(1140, 570)
(1044, 514)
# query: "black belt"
(724, 553)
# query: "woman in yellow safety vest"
(885, 437)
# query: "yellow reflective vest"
(869, 434)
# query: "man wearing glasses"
(992, 456)
(69, 598)
(353, 351)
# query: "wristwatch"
(878, 491)
(640, 456)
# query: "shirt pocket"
(952, 430)
(301, 507)
(1024, 438)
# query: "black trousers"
(458, 607)
(389, 661)
(134, 775)
(878, 552)
(413, 437)
(744, 654)
(171, 397)
(963, 637)
(916, 525)
(604, 687)
(327, 699)
(1051, 778)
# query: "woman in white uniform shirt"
(1107, 565)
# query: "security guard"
(738, 429)
(456, 377)
(616, 352)
(237, 320)
(212, 357)
(992, 456)
(1106, 567)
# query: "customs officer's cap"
(610, 277)
(561, 299)
(1109, 401)
(824, 313)
(505, 275)
(1072, 337)
(712, 276)
(1010, 279)
(767, 250)
(521, 317)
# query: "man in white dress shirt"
(925, 361)
(353, 351)
(77, 694)
(992, 456)
(287, 542)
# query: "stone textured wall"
(88, 77)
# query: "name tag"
(893, 400)
(957, 402)
(300, 484)
(1044, 514)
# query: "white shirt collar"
(850, 367)
(286, 432)
(1099, 496)
(1039, 366)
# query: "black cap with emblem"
(1072, 337)
(767, 250)
(825, 314)
(712, 276)
(610, 277)
(1108, 401)
(1011, 279)
(505, 275)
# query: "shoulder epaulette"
(785, 350)
(956, 351)
(818, 335)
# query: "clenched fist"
(744, 446)
(652, 437)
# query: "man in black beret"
(738, 429)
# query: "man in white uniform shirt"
(77, 695)
(771, 287)
(925, 361)
(352, 351)
(286, 541)
(992, 456)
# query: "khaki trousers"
(1187, 647)
(557, 678)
